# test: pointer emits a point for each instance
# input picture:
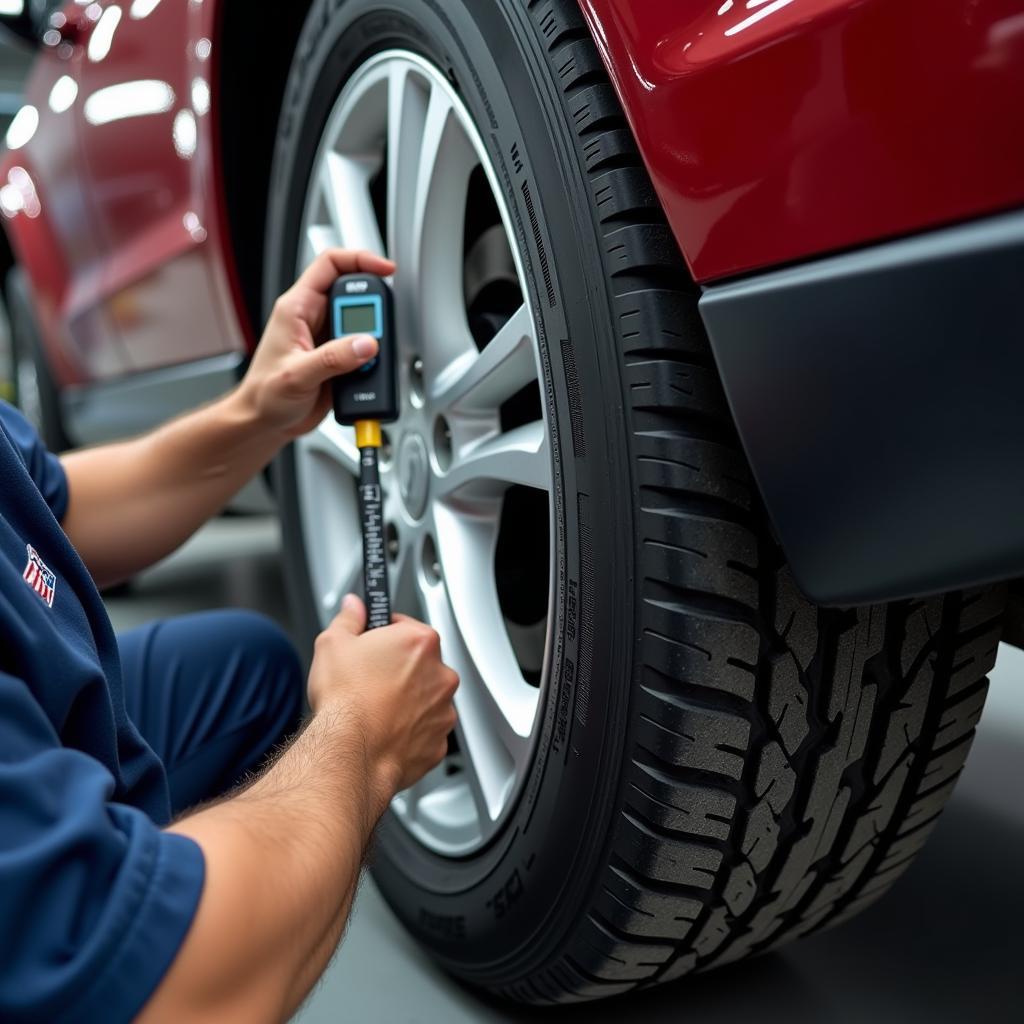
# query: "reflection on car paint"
(128, 99)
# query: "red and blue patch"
(39, 577)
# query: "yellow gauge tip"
(368, 434)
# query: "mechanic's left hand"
(288, 380)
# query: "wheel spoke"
(446, 161)
(406, 596)
(407, 114)
(345, 182)
(466, 542)
(318, 238)
(489, 467)
(336, 442)
(491, 746)
(350, 581)
(481, 382)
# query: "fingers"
(352, 617)
(306, 299)
(332, 359)
(332, 263)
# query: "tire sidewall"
(501, 912)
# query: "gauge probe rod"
(371, 515)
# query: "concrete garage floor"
(946, 945)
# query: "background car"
(14, 64)
(710, 350)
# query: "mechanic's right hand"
(394, 682)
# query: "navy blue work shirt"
(95, 900)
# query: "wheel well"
(6, 353)
(7, 259)
(251, 86)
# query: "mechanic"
(113, 902)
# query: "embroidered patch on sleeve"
(39, 577)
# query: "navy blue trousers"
(212, 694)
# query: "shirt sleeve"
(95, 900)
(43, 466)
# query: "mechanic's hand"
(395, 684)
(288, 382)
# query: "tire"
(721, 766)
(35, 392)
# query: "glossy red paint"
(131, 233)
(780, 129)
(48, 236)
(148, 152)
(774, 130)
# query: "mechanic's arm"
(135, 502)
(283, 857)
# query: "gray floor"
(945, 945)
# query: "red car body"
(130, 227)
(778, 134)
(774, 131)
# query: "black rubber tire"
(722, 766)
(26, 343)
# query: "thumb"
(352, 617)
(334, 359)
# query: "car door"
(50, 226)
(149, 157)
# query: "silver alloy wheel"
(399, 126)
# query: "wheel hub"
(414, 474)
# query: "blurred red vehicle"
(708, 471)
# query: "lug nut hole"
(391, 541)
(431, 561)
(416, 386)
(442, 444)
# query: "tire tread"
(784, 763)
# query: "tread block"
(575, 61)
(672, 805)
(666, 860)
(557, 21)
(641, 247)
(658, 321)
(761, 837)
(975, 658)
(632, 906)
(695, 738)
(787, 702)
(614, 148)
(706, 653)
(740, 889)
(623, 191)
(922, 624)
(905, 722)
(776, 779)
(621, 957)
(947, 765)
(699, 566)
(593, 107)
(672, 458)
(652, 383)
(960, 717)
